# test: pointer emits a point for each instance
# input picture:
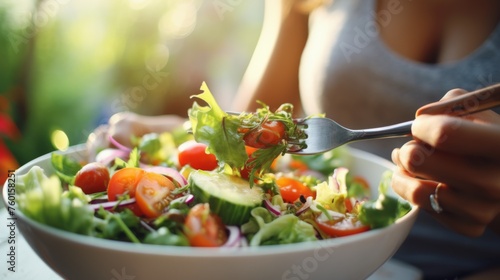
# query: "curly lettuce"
(219, 131)
(386, 209)
(264, 229)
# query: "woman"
(373, 63)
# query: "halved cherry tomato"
(268, 134)
(194, 154)
(124, 181)
(342, 227)
(92, 177)
(204, 229)
(153, 194)
(291, 189)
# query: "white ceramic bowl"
(354, 257)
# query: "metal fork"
(324, 134)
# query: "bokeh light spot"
(59, 140)
(179, 21)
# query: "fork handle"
(472, 102)
(395, 130)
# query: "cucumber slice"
(230, 197)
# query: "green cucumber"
(230, 197)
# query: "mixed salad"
(226, 183)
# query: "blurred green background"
(69, 64)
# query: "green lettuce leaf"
(386, 209)
(332, 195)
(218, 130)
(264, 229)
(65, 167)
(163, 236)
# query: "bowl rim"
(186, 251)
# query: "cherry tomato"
(291, 189)
(124, 181)
(204, 229)
(153, 194)
(342, 227)
(194, 154)
(92, 178)
(268, 134)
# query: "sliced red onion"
(167, 171)
(305, 206)
(108, 156)
(117, 144)
(234, 237)
(273, 209)
(338, 179)
(111, 204)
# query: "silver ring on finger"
(434, 199)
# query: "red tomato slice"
(268, 134)
(194, 154)
(204, 229)
(124, 181)
(348, 204)
(291, 189)
(342, 227)
(153, 194)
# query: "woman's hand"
(122, 126)
(462, 155)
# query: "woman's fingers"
(435, 108)
(463, 213)
(458, 135)
(471, 175)
(464, 154)
(458, 102)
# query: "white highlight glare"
(59, 140)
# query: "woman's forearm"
(272, 76)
